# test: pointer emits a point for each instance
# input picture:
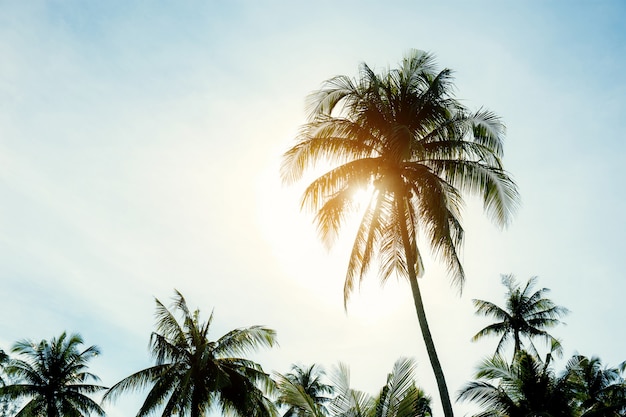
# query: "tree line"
(193, 374)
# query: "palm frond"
(35, 407)
(434, 212)
(137, 381)
(296, 396)
(326, 99)
(370, 233)
(165, 388)
(399, 382)
(337, 141)
(487, 308)
(347, 178)
(494, 185)
(245, 340)
(488, 130)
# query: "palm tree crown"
(310, 381)
(599, 391)
(526, 315)
(52, 375)
(399, 397)
(193, 374)
(527, 387)
(403, 136)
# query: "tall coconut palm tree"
(526, 315)
(192, 374)
(599, 391)
(310, 379)
(527, 387)
(51, 376)
(401, 135)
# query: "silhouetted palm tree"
(8, 407)
(599, 391)
(193, 374)
(4, 359)
(525, 388)
(401, 135)
(525, 315)
(310, 379)
(51, 376)
(400, 397)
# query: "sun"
(302, 258)
(363, 197)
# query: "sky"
(140, 146)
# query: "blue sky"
(139, 152)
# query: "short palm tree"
(527, 387)
(401, 135)
(51, 376)
(526, 315)
(399, 397)
(599, 391)
(192, 374)
(4, 359)
(7, 407)
(310, 380)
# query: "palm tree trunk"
(196, 409)
(430, 345)
(51, 407)
(421, 313)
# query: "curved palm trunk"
(421, 314)
(430, 345)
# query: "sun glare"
(372, 303)
(297, 250)
(362, 197)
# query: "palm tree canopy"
(310, 380)
(52, 375)
(527, 387)
(193, 374)
(526, 315)
(294, 395)
(599, 391)
(399, 397)
(401, 134)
